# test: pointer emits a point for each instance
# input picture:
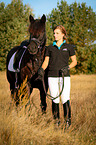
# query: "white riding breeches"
(55, 87)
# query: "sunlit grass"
(29, 127)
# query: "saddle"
(15, 60)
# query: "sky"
(41, 7)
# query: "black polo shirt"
(58, 58)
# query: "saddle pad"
(11, 62)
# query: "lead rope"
(48, 95)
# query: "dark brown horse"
(33, 51)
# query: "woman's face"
(58, 35)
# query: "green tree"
(58, 16)
(14, 20)
(79, 22)
(82, 25)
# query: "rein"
(48, 95)
(41, 43)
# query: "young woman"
(57, 57)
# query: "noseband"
(34, 46)
(39, 43)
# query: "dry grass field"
(29, 127)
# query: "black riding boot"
(67, 113)
(55, 112)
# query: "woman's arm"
(45, 63)
(74, 61)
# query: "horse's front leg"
(43, 98)
(43, 101)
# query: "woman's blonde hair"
(62, 30)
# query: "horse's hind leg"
(13, 102)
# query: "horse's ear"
(43, 18)
(31, 18)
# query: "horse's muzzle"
(33, 48)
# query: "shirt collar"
(54, 44)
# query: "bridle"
(36, 41)
(36, 53)
(39, 46)
(39, 43)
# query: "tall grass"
(20, 126)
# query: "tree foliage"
(80, 24)
(14, 27)
(78, 20)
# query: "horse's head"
(37, 34)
